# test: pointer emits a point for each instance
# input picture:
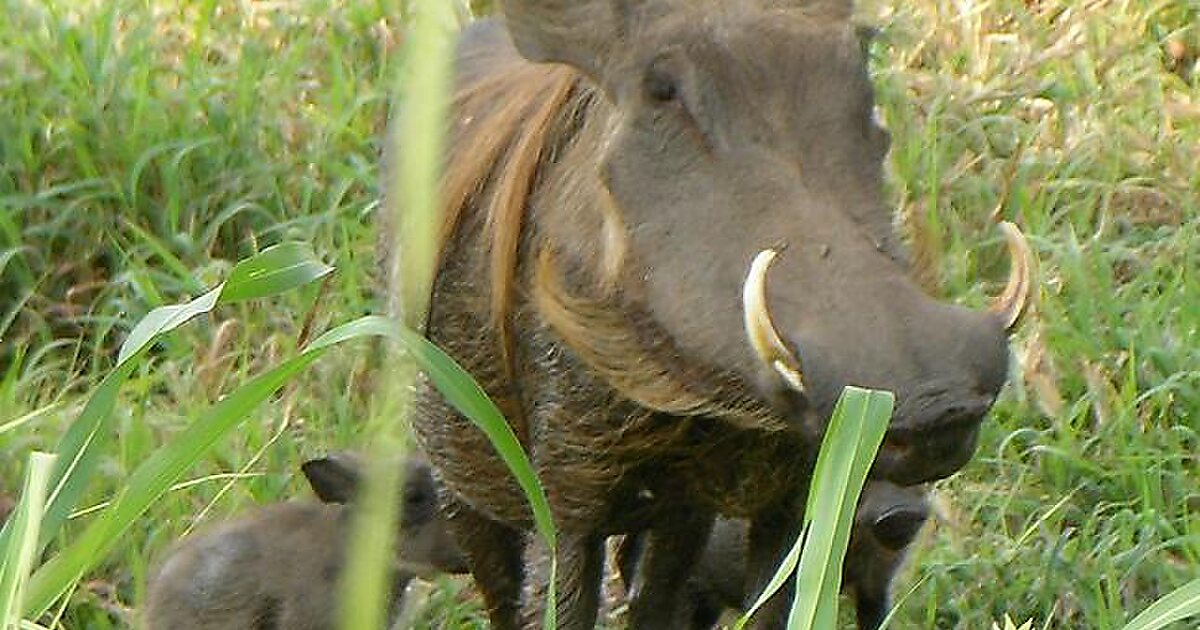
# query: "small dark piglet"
(278, 567)
(888, 519)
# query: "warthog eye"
(660, 85)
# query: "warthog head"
(743, 134)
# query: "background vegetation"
(144, 147)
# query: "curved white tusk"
(1015, 301)
(760, 329)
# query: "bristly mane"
(504, 128)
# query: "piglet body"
(278, 568)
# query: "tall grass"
(415, 147)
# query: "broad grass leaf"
(468, 398)
(156, 475)
(77, 453)
(856, 430)
(1180, 603)
(80, 446)
(277, 269)
(164, 319)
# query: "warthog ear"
(579, 33)
(334, 479)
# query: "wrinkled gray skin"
(278, 568)
(886, 522)
(713, 130)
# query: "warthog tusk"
(1012, 305)
(760, 329)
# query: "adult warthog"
(620, 178)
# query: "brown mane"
(504, 128)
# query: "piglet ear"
(335, 478)
(579, 33)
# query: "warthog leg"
(873, 604)
(772, 533)
(670, 554)
(493, 553)
(580, 569)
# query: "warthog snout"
(961, 355)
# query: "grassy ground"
(143, 148)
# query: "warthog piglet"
(278, 567)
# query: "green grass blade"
(20, 548)
(421, 95)
(1180, 603)
(169, 260)
(7, 255)
(166, 466)
(855, 432)
(156, 475)
(148, 482)
(26, 418)
(85, 439)
(164, 319)
(277, 269)
(78, 451)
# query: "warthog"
(278, 567)
(886, 522)
(621, 175)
